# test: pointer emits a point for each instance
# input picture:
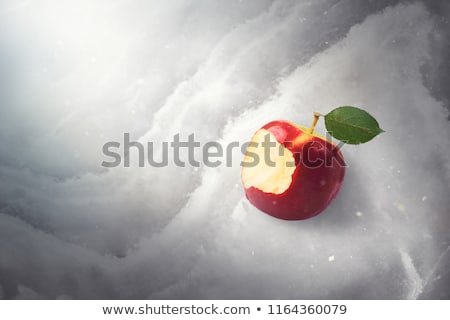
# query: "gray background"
(76, 74)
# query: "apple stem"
(316, 118)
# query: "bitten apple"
(291, 172)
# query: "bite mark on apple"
(274, 176)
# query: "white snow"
(221, 70)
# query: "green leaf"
(352, 125)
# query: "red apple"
(295, 178)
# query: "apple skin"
(318, 176)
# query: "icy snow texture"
(75, 75)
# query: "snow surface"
(74, 75)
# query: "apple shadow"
(349, 206)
